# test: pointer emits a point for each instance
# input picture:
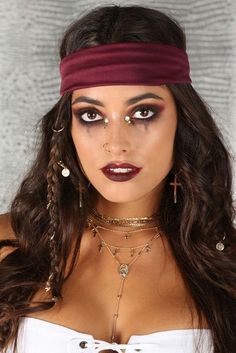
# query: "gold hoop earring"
(59, 130)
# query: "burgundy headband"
(128, 63)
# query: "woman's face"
(146, 143)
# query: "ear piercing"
(58, 130)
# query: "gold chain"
(123, 268)
(127, 233)
(131, 221)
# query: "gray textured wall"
(29, 37)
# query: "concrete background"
(30, 32)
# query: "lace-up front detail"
(76, 345)
(37, 336)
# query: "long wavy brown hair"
(203, 215)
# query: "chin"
(121, 194)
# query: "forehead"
(121, 92)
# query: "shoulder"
(7, 236)
(6, 231)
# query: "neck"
(145, 206)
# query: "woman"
(121, 235)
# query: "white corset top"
(39, 336)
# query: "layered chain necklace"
(135, 252)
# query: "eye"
(144, 112)
(88, 115)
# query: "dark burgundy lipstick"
(120, 172)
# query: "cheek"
(160, 149)
(79, 130)
(85, 141)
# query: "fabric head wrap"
(128, 63)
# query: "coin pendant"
(123, 270)
(220, 246)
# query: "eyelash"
(154, 110)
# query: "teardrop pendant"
(115, 251)
(147, 248)
(100, 247)
(94, 231)
(132, 252)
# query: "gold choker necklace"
(123, 268)
(122, 222)
(127, 234)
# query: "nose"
(118, 135)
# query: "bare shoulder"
(6, 236)
(6, 231)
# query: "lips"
(120, 172)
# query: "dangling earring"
(65, 171)
(175, 184)
(220, 245)
(80, 196)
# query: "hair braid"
(53, 198)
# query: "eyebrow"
(130, 101)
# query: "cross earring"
(175, 184)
